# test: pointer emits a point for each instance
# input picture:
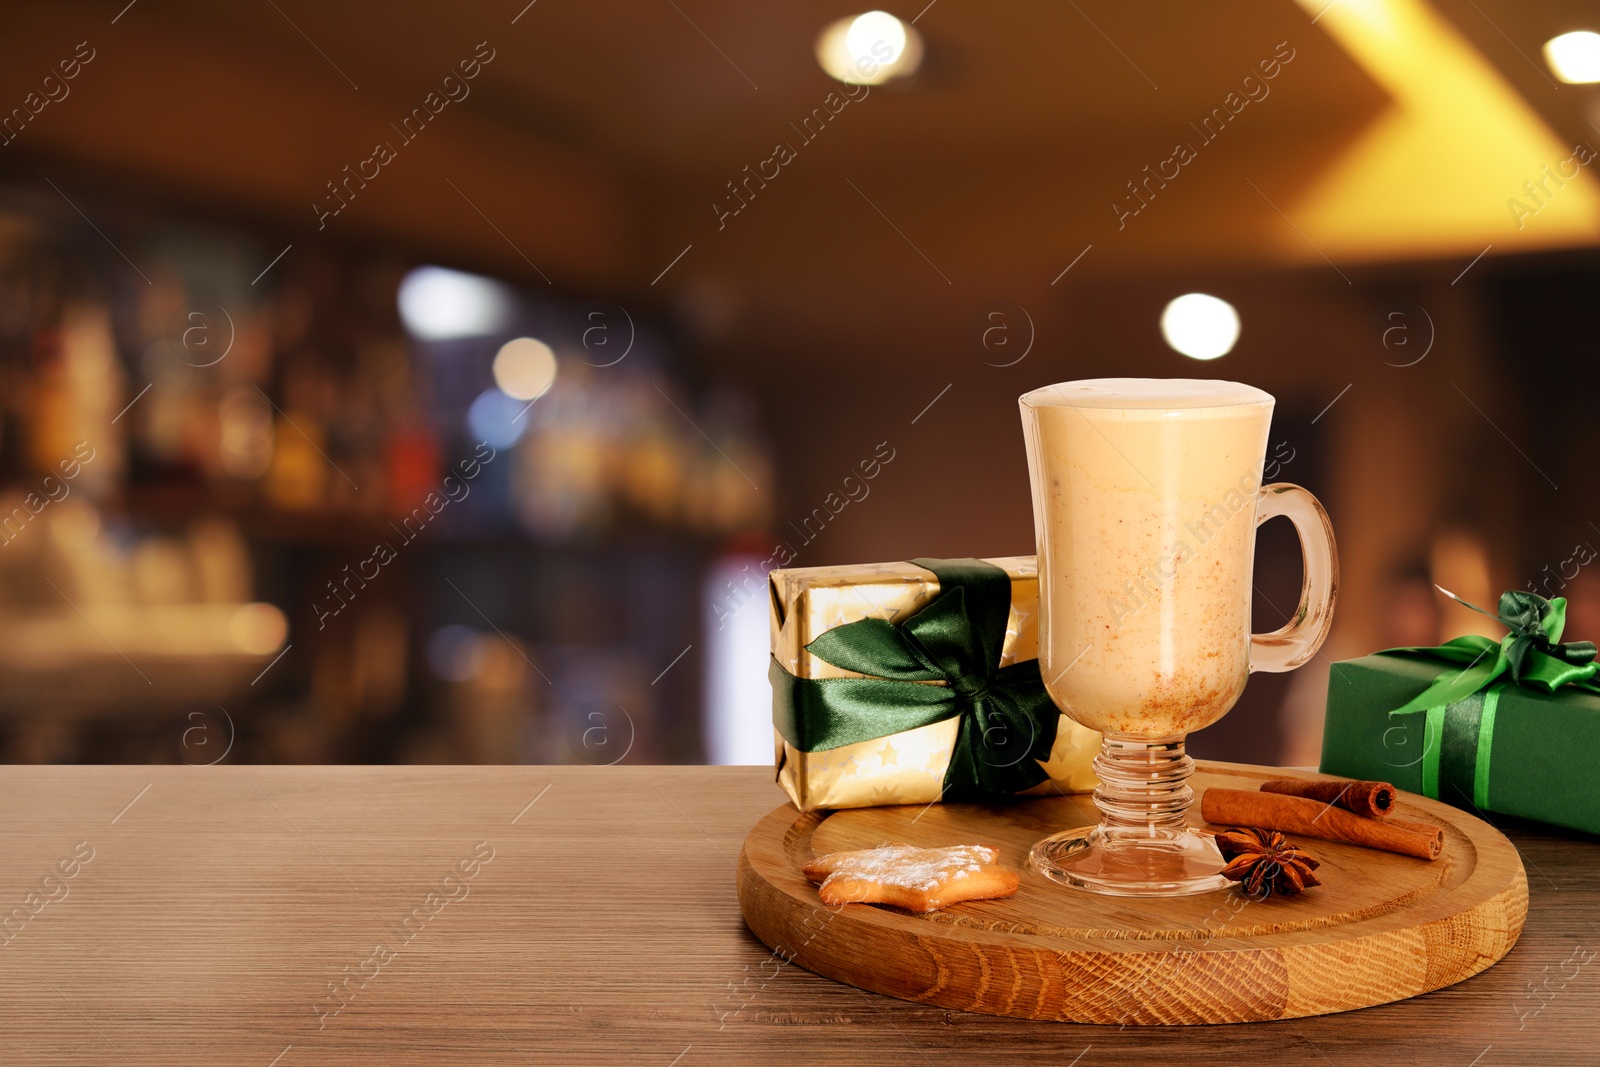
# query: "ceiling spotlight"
(869, 49)
(1575, 57)
(1200, 326)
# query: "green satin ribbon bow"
(1460, 706)
(1008, 722)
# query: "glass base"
(1143, 846)
(1172, 865)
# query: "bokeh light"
(869, 49)
(1574, 57)
(525, 368)
(1200, 326)
(497, 418)
(437, 304)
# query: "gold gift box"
(907, 767)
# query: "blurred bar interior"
(435, 383)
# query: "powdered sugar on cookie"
(917, 879)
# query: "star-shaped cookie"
(916, 879)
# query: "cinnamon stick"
(1311, 818)
(1372, 799)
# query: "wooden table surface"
(508, 915)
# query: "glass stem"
(1144, 786)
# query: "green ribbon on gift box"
(1460, 706)
(1008, 722)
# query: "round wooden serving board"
(1380, 928)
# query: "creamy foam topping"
(1148, 394)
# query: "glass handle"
(1297, 641)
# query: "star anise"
(1264, 862)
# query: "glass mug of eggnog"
(1146, 498)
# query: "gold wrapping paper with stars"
(907, 767)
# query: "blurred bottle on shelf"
(78, 388)
(412, 464)
(245, 433)
(297, 474)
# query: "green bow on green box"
(1528, 655)
(1008, 722)
(1499, 721)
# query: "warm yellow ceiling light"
(869, 49)
(1457, 162)
(1574, 57)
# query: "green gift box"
(1510, 727)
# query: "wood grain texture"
(1380, 928)
(605, 931)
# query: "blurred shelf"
(174, 506)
